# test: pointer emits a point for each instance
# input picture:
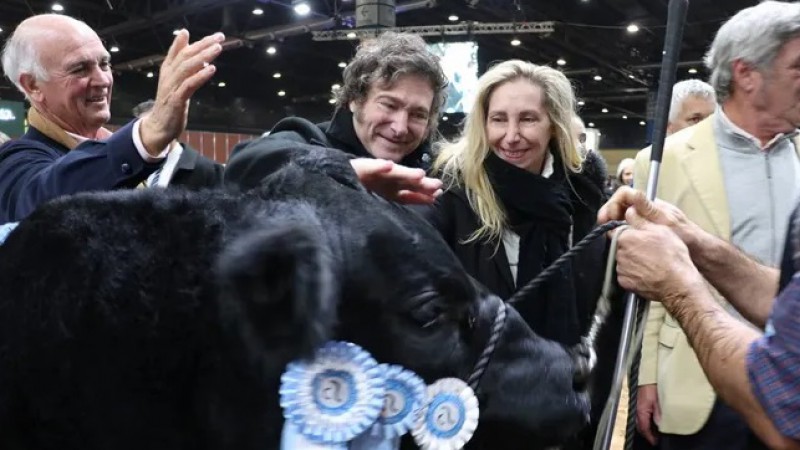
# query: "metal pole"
(672, 43)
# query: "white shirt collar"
(168, 168)
(732, 128)
(547, 170)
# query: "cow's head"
(399, 292)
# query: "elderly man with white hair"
(736, 175)
(64, 70)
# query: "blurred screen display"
(460, 63)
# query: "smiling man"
(64, 70)
(390, 101)
(388, 106)
(386, 111)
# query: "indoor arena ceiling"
(612, 67)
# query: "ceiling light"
(114, 49)
(605, 110)
(332, 101)
(444, 119)
(221, 84)
(335, 86)
(57, 7)
(452, 18)
(581, 103)
(149, 74)
(281, 93)
(271, 50)
(276, 75)
(598, 78)
(692, 70)
(642, 123)
(625, 117)
(301, 8)
(561, 62)
(342, 64)
(633, 28)
(258, 11)
(351, 35)
(591, 124)
(1, 29)
(515, 42)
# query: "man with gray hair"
(692, 101)
(64, 70)
(736, 174)
(387, 108)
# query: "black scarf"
(342, 135)
(540, 211)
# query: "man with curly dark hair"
(387, 108)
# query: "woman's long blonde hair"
(461, 162)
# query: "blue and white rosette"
(403, 401)
(331, 399)
(6, 229)
(450, 416)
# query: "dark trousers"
(725, 430)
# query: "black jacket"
(258, 157)
(487, 262)
(194, 171)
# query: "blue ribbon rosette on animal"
(331, 399)
(450, 417)
(6, 229)
(403, 402)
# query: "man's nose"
(400, 123)
(100, 77)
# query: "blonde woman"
(518, 195)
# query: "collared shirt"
(773, 363)
(762, 186)
(167, 170)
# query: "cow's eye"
(428, 310)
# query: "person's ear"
(745, 75)
(31, 86)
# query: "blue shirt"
(773, 361)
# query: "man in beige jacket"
(736, 174)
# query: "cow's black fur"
(163, 319)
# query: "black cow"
(163, 319)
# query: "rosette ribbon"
(449, 418)
(5, 230)
(403, 401)
(331, 399)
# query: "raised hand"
(185, 68)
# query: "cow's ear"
(277, 284)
